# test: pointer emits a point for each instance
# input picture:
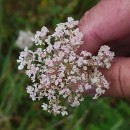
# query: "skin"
(109, 23)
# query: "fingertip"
(118, 76)
(92, 40)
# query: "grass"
(17, 111)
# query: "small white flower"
(84, 67)
(30, 89)
(95, 80)
(80, 61)
(24, 39)
(48, 62)
(87, 86)
(71, 58)
(70, 19)
(44, 106)
(57, 45)
(80, 88)
(49, 48)
(64, 113)
(20, 67)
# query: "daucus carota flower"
(24, 39)
(59, 76)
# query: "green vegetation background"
(17, 111)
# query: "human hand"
(109, 23)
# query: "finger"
(107, 21)
(123, 47)
(119, 78)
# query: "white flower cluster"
(24, 39)
(58, 74)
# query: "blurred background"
(20, 19)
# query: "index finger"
(107, 21)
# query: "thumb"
(107, 21)
(119, 78)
